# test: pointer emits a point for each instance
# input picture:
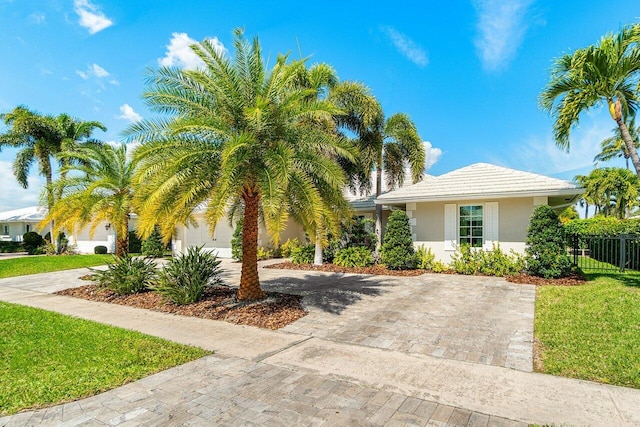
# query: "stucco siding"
(429, 225)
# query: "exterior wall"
(428, 224)
(15, 230)
(86, 244)
(220, 243)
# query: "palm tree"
(614, 191)
(96, 187)
(235, 132)
(605, 72)
(388, 145)
(614, 146)
(40, 140)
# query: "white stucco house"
(480, 204)
(14, 223)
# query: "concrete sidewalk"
(259, 377)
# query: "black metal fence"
(606, 253)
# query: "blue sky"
(467, 72)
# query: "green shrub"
(468, 260)
(425, 259)
(439, 267)
(264, 253)
(545, 252)
(286, 247)
(126, 275)
(236, 242)
(355, 256)
(397, 251)
(303, 254)
(185, 278)
(100, 250)
(135, 243)
(33, 243)
(153, 246)
(10, 247)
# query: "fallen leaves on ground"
(275, 311)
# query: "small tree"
(153, 246)
(397, 251)
(236, 242)
(545, 253)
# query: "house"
(14, 223)
(480, 205)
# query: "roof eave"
(476, 196)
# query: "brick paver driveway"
(482, 320)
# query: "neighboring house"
(480, 205)
(13, 225)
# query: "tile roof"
(32, 213)
(481, 180)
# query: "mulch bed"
(331, 268)
(573, 280)
(277, 310)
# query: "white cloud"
(179, 53)
(129, 114)
(432, 155)
(91, 17)
(38, 18)
(93, 70)
(542, 155)
(407, 47)
(98, 71)
(501, 27)
(114, 82)
(13, 196)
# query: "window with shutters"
(471, 219)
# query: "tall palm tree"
(614, 146)
(234, 132)
(96, 187)
(388, 145)
(605, 72)
(614, 191)
(40, 139)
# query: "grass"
(591, 332)
(48, 358)
(43, 264)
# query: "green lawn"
(48, 358)
(42, 264)
(592, 332)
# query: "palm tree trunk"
(318, 255)
(56, 241)
(628, 141)
(122, 239)
(249, 281)
(379, 207)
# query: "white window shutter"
(491, 225)
(450, 227)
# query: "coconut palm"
(234, 132)
(613, 191)
(388, 145)
(614, 146)
(96, 187)
(603, 73)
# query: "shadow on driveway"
(330, 293)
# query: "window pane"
(465, 222)
(464, 232)
(465, 210)
(476, 232)
(476, 222)
(476, 243)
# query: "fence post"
(575, 249)
(623, 251)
